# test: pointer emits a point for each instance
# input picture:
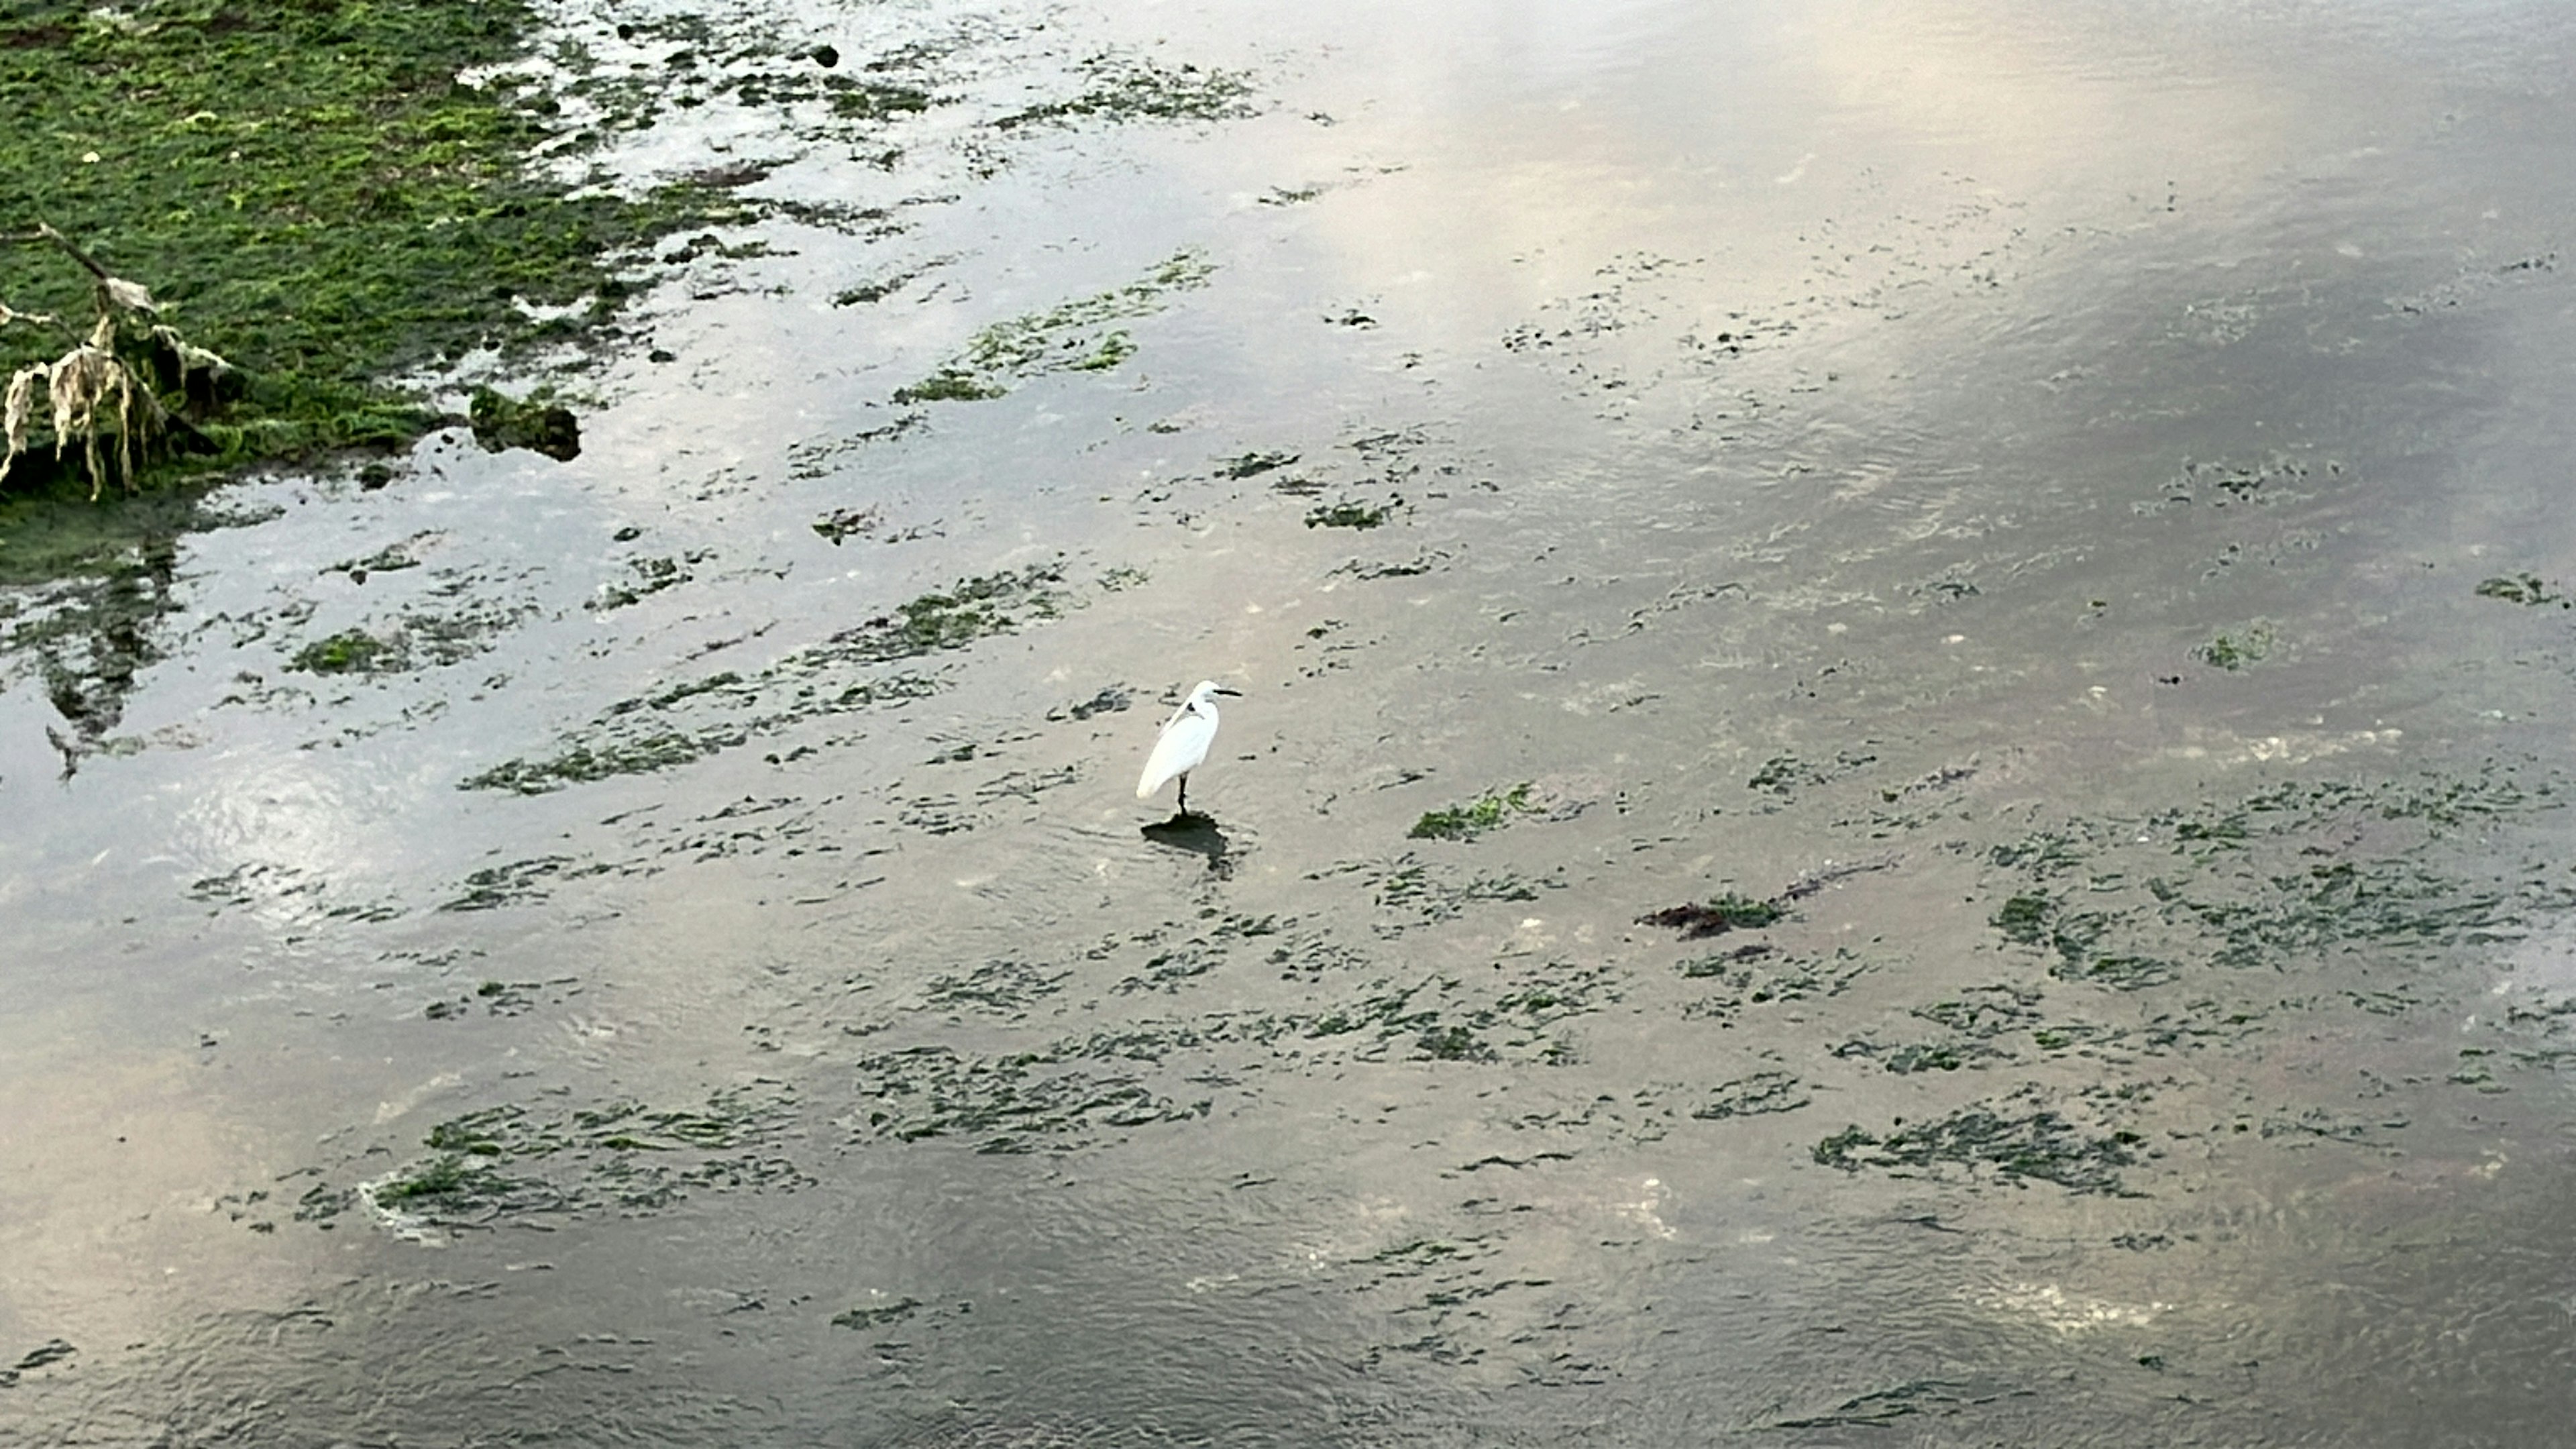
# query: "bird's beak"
(1237, 693)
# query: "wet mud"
(1901, 767)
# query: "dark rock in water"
(501, 422)
(52, 1350)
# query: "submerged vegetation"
(1075, 336)
(2528, 589)
(2249, 645)
(669, 728)
(2010, 1141)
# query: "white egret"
(1183, 745)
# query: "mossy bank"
(317, 191)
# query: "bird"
(1183, 744)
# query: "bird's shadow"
(1193, 832)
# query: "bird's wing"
(1183, 745)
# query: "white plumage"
(1183, 745)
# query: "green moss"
(307, 189)
(1490, 811)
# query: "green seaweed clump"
(949, 384)
(1453, 1043)
(581, 763)
(1072, 337)
(447, 1183)
(971, 610)
(534, 423)
(1490, 811)
(351, 651)
(2235, 651)
(2522, 589)
(1351, 515)
(2024, 919)
(894, 1312)
(1252, 465)
(2042, 1144)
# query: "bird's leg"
(1185, 796)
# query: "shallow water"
(2046, 496)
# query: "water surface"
(2061, 502)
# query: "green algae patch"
(1411, 886)
(1347, 514)
(864, 1318)
(2353, 876)
(2024, 919)
(351, 651)
(1756, 1095)
(448, 1185)
(1009, 1104)
(2235, 651)
(2013, 1141)
(699, 717)
(536, 423)
(623, 1156)
(1490, 811)
(949, 384)
(1076, 336)
(1121, 87)
(314, 191)
(1252, 465)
